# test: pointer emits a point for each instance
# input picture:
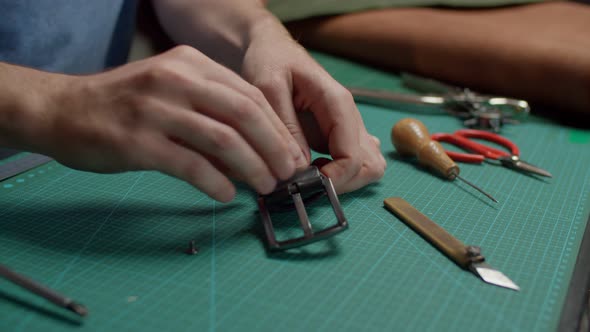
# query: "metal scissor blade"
(467, 97)
(533, 169)
(372, 94)
(520, 165)
(427, 85)
(492, 276)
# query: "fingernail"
(268, 185)
(376, 139)
(298, 155)
(294, 149)
(301, 161)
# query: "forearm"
(222, 29)
(21, 98)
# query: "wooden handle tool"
(411, 138)
(432, 232)
(467, 257)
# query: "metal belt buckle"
(307, 185)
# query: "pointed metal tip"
(78, 309)
(547, 174)
(539, 171)
(524, 166)
(477, 188)
(493, 276)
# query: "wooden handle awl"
(411, 138)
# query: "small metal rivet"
(192, 249)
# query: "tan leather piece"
(538, 52)
(290, 10)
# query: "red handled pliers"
(461, 138)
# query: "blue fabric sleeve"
(69, 36)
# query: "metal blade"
(397, 97)
(492, 276)
(427, 85)
(515, 163)
(532, 169)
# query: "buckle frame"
(313, 184)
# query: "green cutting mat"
(115, 242)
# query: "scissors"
(461, 138)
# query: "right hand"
(180, 113)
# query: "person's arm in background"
(317, 110)
(179, 113)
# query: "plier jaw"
(515, 163)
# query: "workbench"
(115, 243)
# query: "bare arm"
(22, 96)
(220, 29)
(316, 109)
(179, 113)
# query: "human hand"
(317, 110)
(179, 113)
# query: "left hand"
(318, 111)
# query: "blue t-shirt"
(68, 36)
